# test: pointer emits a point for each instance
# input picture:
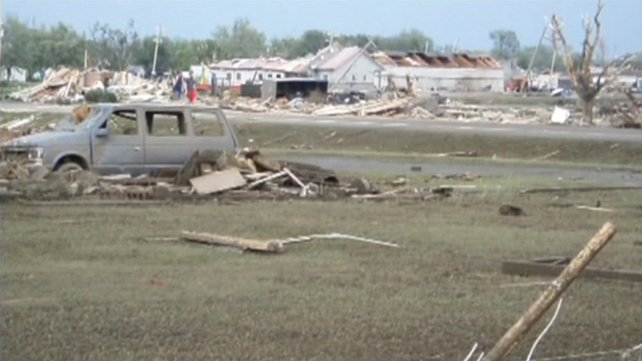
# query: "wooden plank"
(243, 243)
(579, 189)
(529, 268)
(554, 291)
(94, 203)
(266, 179)
(218, 181)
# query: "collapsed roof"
(421, 59)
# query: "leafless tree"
(579, 69)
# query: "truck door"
(117, 144)
(167, 139)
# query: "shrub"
(100, 96)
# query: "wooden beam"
(554, 291)
(243, 243)
(528, 268)
(579, 189)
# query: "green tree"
(407, 40)
(310, 42)
(505, 44)
(114, 48)
(19, 49)
(542, 61)
(241, 41)
(62, 46)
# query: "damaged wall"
(452, 79)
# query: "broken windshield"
(78, 118)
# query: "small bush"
(100, 96)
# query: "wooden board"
(530, 268)
(218, 181)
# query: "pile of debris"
(437, 108)
(67, 85)
(625, 114)
(207, 174)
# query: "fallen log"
(554, 291)
(243, 243)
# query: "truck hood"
(43, 139)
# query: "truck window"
(207, 124)
(163, 123)
(122, 122)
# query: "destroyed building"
(347, 69)
(236, 72)
(443, 72)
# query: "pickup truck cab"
(126, 138)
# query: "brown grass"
(79, 284)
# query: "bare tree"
(579, 69)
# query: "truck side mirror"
(101, 133)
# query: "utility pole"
(454, 49)
(550, 74)
(157, 41)
(1, 39)
(527, 78)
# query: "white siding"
(456, 79)
(241, 76)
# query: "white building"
(13, 74)
(454, 72)
(350, 68)
(236, 72)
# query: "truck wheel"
(70, 167)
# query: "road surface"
(592, 174)
(400, 123)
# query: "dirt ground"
(78, 283)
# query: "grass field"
(395, 142)
(79, 284)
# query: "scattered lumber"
(532, 268)
(218, 181)
(595, 209)
(243, 243)
(95, 203)
(554, 291)
(579, 189)
(266, 179)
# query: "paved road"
(411, 124)
(614, 177)
(406, 124)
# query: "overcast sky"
(444, 21)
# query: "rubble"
(246, 175)
(393, 105)
(66, 85)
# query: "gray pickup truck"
(136, 139)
